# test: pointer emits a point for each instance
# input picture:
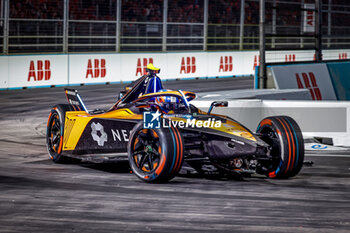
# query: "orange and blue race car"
(158, 131)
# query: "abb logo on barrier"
(309, 83)
(225, 64)
(310, 18)
(343, 56)
(98, 70)
(290, 57)
(256, 61)
(141, 66)
(188, 65)
(41, 72)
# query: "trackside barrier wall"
(314, 77)
(92, 69)
(340, 76)
(328, 119)
(325, 81)
(19, 71)
(128, 67)
(37, 71)
(4, 77)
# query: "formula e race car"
(160, 130)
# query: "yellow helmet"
(150, 66)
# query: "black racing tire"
(155, 155)
(55, 131)
(283, 134)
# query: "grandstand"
(44, 26)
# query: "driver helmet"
(151, 70)
(166, 99)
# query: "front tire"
(283, 134)
(54, 132)
(155, 155)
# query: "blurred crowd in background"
(92, 25)
(36, 9)
(191, 11)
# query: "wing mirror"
(217, 104)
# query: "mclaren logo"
(98, 134)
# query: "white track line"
(327, 155)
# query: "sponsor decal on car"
(98, 134)
(120, 135)
(319, 147)
(152, 120)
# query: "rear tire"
(155, 155)
(55, 131)
(283, 134)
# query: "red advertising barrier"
(75, 69)
(314, 77)
(40, 70)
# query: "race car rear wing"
(75, 101)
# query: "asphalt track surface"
(37, 195)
